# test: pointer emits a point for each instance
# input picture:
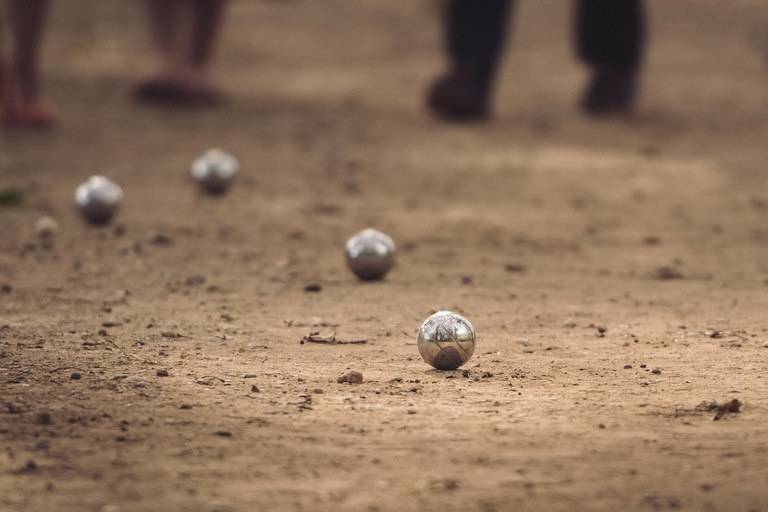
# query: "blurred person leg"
(164, 28)
(475, 32)
(207, 18)
(184, 33)
(23, 103)
(610, 40)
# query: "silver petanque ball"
(370, 254)
(98, 199)
(215, 170)
(446, 340)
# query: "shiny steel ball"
(446, 340)
(98, 199)
(370, 254)
(215, 171)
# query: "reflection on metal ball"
(215, 171)
(98, 199)
(370, 254)
(446, 340)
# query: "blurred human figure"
(184, 33)
(610, 36)
(20, 74)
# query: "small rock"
(160, 240)
(6, 288)
(514, 267)
(75, 376)
(185, 407)
(667, 273)
(223, 433)
(467, 280)
(162, 372)
(196, 280)
(170, 334)
(627, 366)
(43, 418)
(255, 389)
(318, 391)
(46, 228)
(352, 377)
(313, 288)
(656, 371)
(134, 381)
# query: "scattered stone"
(75, 376)
(652, 240)
(110, 323)
(29, 467)
(43, 418)
(196, 280)
(352, 377)
(135, 381)
(313, 288)
(601, 330)
(170, 334)
(46, 229)
(318, 391)
(656, 371)
(255, 389)
(185, 407)
(448, 484)
(103, 332)
(467, 280)
(667, 273)
(223, 433)
(411, 411)
(514, 267)
(722, 409)
(162, 372)
(627, 366)
(160, 240)
(6, 288)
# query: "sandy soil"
(541, 227)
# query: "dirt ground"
(616, 273)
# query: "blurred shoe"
(462, 94)
(611, 92)
(162, 91)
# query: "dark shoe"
(461, 95)
(611, 92)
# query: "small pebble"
(627, 366)
(255, 389)
(656, 371)
(43, 418)
(352, 377)
(162, 372)
(313, 288)
(46, 228)
(75, 376)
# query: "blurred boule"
(370, 254)
(98, 199)
(215, 170)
